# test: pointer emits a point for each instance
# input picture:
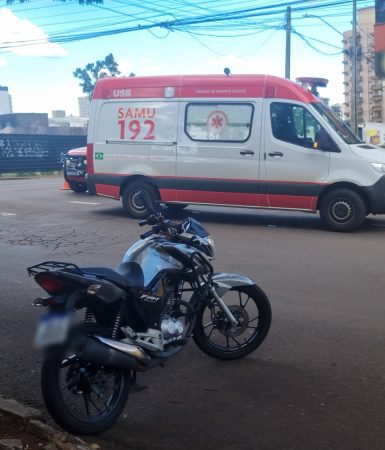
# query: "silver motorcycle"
(137, 316)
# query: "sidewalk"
(22, 428)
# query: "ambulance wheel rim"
(341, 211)
(136, 202)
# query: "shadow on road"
(255, 218)
(247, 404)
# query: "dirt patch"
(15, 428)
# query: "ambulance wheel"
(132, 199)
(342, 210)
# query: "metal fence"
(34, 152)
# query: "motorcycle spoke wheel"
(82, 397)
(218, 337)
(221, 333)
(89, 392)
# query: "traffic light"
(380, 11)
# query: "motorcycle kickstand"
(134, 386)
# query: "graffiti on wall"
(21, 149)
(35, 153)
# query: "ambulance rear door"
(135, 137)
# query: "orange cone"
(66, 186)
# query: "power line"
(211, 24)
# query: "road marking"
(83, 203)
(7, 214)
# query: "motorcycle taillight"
(50, 283)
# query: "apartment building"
(370, 90)
(84, 106)
(5, 101)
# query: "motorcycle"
(136, 317)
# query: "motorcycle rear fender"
(225, 281)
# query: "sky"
(40, 77)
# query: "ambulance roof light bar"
(312, 83)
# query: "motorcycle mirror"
(144, 197)
(160, 206)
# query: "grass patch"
(30, 174)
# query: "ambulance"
(253, 141)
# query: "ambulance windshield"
(337, 124)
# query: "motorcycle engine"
(170, 327)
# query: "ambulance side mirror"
(322, 141)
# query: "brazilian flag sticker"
(99, 155)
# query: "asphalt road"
(316, 383)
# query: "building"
(58, 114)
(337, 109)
(39, 123)
(24, 123)
(5, 101)
(84, 106)
(370, 90)
(60, 123)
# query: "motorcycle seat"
(126, 275)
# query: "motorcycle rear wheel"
(215, 335)
(83, 398)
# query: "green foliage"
(94, 71)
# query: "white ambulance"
(253, 141)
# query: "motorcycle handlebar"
(147, 234)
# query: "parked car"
(75, 169)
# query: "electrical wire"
(213, 23)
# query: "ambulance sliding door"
(218, 154)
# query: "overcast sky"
(39, 77)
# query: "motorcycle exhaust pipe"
(98, 350)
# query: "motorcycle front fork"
(222, 304)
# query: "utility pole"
(288, 36)
(354, 70)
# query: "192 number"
(135, 127)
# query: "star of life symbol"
(217, 122)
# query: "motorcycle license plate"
(73, 173)
(52, 329)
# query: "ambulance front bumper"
(376, 196)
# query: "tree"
(94, 71)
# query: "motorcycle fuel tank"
(152, 258)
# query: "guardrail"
(21, 153)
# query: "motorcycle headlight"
(378, 167)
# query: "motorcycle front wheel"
(83, 398)
(217, 337)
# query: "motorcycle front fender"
(225, 281)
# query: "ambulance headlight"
(378, 167)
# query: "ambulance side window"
(225, 122)
(294, 124)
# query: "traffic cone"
(66, 186)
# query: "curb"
(27, 424)
(31, 175)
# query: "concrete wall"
(35, 153)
